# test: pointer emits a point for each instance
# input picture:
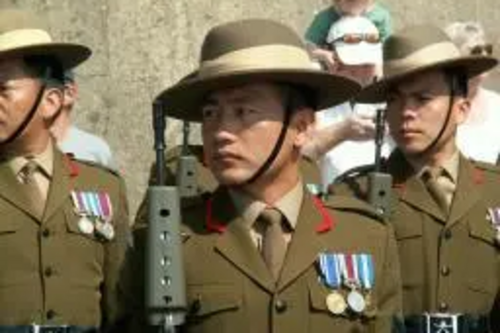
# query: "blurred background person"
(344, 135)
(317, 33)
(479, 136)
(71, 139)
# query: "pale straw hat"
(247, 51)
(418, 49)
(22, 33)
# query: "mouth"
(225, 157)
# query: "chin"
(231, 177)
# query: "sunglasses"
(357, 38)
(486, 49)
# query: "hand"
(325, 57)
(359, 128)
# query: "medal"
(85, 225)
(356, 301)
(105, 230)
(108, 231)
(335, 303)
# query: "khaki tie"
(274, 245)
(431, 179)
(31, 187)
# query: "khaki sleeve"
(390, 314)
(112, 303)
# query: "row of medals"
(355, 301)
(90, 224)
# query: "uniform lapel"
(59, 186)
(466, 193)
(235, 244)
(305, 245)
(411, 188)
(11, 191)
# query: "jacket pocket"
(214, 308)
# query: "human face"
(18, 92)
(417, 110)
(240, 128)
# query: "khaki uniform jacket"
(230, 289)
(449, 264)
(51, 272)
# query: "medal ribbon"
(330, 269)
(365, 268)
(495, 216)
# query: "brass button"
(445, 271)
(443, 307)
(48, 272)
(45, 233)
(447, 234)
(51, 314)
(280, 306)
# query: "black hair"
(46, 68)
(298, 96)
(458, 80)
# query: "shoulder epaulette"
(486, 166)
(94, 164)
(347, 203)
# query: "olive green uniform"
(230, 289)
(52, 272)
(448, 263)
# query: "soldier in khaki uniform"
(261, 253)
(63, 223)
(445, 207)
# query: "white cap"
(355, 54)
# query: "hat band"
(258, 58)
(424, 57)
(23, 38)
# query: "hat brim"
(183, 100)
(69, 55)
(472, 65)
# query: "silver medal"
(356, 301)
(108, 231)
(85, 225)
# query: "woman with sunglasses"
(479, 136)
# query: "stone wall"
(143, 46)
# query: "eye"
(208, 111)
(245, 110)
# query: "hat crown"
(413, 39)
(245, 34)
(15, 19)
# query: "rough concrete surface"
(143, 46)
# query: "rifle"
(186, 168)
(166, 304)
(380, 183)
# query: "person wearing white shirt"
(344, 135)
(479, 136)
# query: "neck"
(433, 158)
(269, 189)
(16, 148)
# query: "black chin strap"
(28, 118)
(277, 147)
(452, 82)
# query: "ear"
(70, 94)
(51, 103)
(462, 109)
(303, 123)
